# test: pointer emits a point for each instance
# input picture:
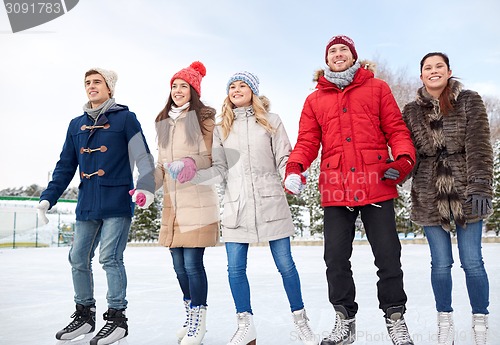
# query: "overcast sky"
(283, 42)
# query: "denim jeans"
(238, 281)
(112, 235)
(471, 259)
(188, 266)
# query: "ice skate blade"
(83, 339)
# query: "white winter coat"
(251, 162)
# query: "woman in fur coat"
(452, 184)
(190, 214)
(250, 151)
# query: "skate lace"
(398, 332)
(111, 324)
(194, 321)
(341, 329)
(243, 324)
(108, 328)
(445, 328)
(480, 328)
(79, 318)
(302, 326)
(186, 306)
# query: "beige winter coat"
(251, 163)
(190, 215)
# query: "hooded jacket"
(105, 152)
(454, 157)
(354, 127)
(190, 214)
(250, 163)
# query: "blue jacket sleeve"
(63, 172)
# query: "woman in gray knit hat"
(250, 151)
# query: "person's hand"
(188, 172)
(142, 198)
(481, 205)
(295, 181)
(174, 168)
(396, 171)
(42, 209)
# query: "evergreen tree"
(402, 207)
(297, 207)
(493, 222)
(146, 222)
(312, 198)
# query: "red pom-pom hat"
(192, 75)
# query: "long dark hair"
(193, 130)
(445, 102)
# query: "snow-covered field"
(36, 296)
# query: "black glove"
(480, 205)
(391, 174)
(396, 171)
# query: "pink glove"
(140, 198)
(188, 172)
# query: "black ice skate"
(396, 326)
(83, 324)
(115, 328)
(344, 330)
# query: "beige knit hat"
(109, 76)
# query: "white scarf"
(174, 111)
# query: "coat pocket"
(374, 161)
(114, 194)
(231, 213)
(272, 203)
(330, 176)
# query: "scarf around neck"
(174, 111)
(95, 112)
(243, 111)
(344, 78)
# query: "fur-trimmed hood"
(366, 64)
(207, 113)
(265, 102)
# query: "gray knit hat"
(248, 78)
(109, 76)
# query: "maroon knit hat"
(192, 75)
(341, 39)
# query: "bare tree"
(404, 87)
(493, 109)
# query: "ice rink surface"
(36, 296)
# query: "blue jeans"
(471, 258)
(237, 271)
(188, 266)
(112, 234)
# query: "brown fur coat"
(454, 157)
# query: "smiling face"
(339, 58)
(97, 90)
(181, 92)
(240, 94)
(435, 74)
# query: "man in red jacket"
(354, 118)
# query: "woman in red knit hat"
(190, 213)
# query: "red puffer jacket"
(354, 127)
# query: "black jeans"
(380, 227)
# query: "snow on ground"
(36, 296)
